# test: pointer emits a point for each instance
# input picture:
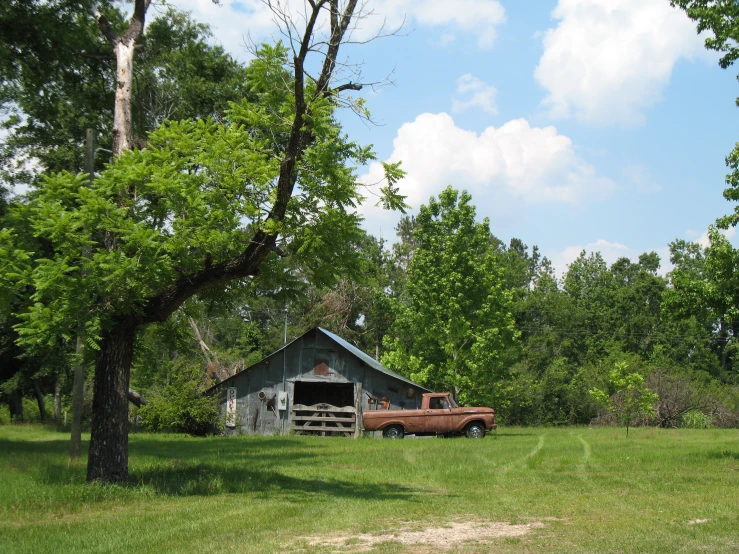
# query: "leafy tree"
(630, 398)
(205, 205)
(55, 81)
(58, 81)
(592, 290)
(454, 329)
(705, 288)
(638, 302)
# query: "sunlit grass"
(594, 490)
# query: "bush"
(695, 419)
(181, 406)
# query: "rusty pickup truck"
(439, 415)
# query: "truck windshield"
(454, 404)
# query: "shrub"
(181, 406)
(695, 419)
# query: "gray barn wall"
(296, 362)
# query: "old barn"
(317, 384)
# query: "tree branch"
(105, 27)
(136, 398)
(347, 86)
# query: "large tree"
(206, 206)
(57, 79)
(719, 19)
(454, 328)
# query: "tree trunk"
(78, 396)
(40, 400)
(122, 123)
(58, 400)
(723, 339)
(15, 403)
(108, 460)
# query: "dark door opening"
(309, 393)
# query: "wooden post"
(358, 424)
(90, 154)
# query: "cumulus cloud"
(535, 164)
(610, 251)
(608, 60)
(474, 93)
(234, 20)
(478, 18)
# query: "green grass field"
(524, 490)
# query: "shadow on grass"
(263, 450)
(179, 466)
(211, 479)
(45, 447)
(205, 479)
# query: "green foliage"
(695, 419)
(181, 405)
(185, 203)
(629, 397)
(721, 18)
(57, 80)
(454, 328)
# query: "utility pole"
(285, 340)
(284, 371)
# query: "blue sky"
(596, 124)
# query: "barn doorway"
(310, 393)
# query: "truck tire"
(475, 430)
(393, 432)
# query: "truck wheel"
(393, 432)
(475, 431)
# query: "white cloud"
(535, 164)
(610, 251)
(608, 60)
(233, 20)
(478, 18)
(474, 93)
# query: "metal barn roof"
(367, 359)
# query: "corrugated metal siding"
(297, 362)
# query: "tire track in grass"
(582, 471)
(587, 454)
(522, 461)
(585, 463)
(487, 460)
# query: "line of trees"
(228, 211)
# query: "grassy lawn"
(547, 490)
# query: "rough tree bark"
(108, 460)
(40, 401)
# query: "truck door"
(438, 415)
